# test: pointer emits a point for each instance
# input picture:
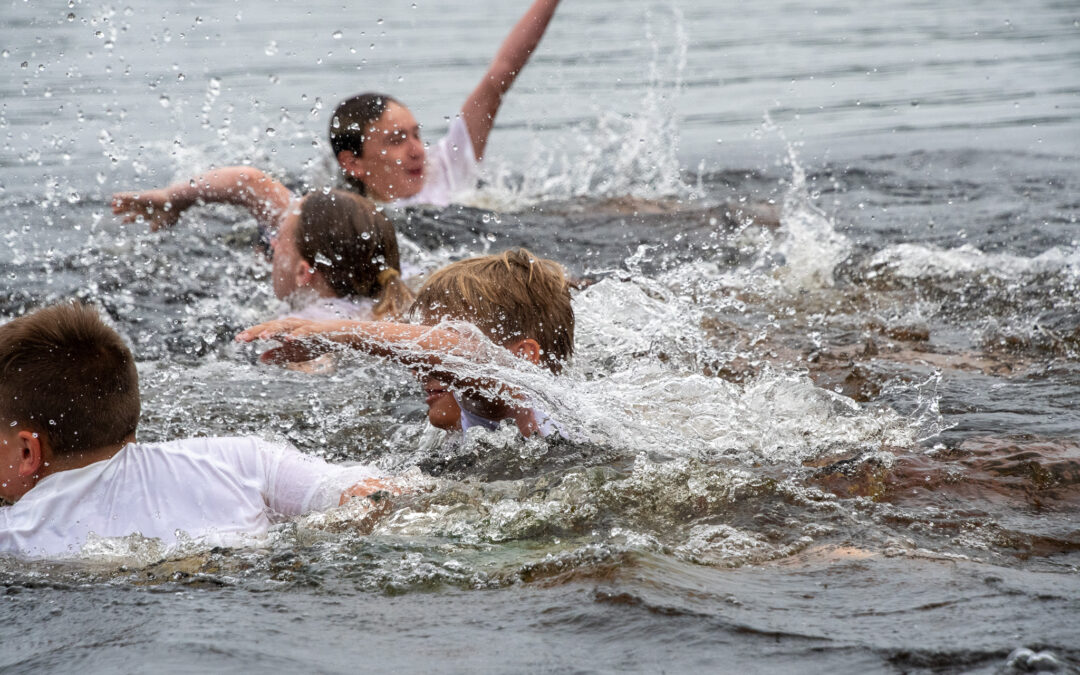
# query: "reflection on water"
(825, 409)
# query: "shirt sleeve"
(459, 159)
(298, 483)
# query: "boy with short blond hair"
(69, 463)
(518, 301)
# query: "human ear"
(528, 349)
(351, 164)
(304, 274)
(31, 453)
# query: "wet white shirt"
(329, 309)
(451, 168)
(221, 490)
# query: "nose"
(416, 148)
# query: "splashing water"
(613, 155)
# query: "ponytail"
(394, 298)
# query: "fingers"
(272, 330)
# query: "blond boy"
(520, 302)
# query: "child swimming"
(376, 140)
(519, 302)
(335, 255)
(69, 462)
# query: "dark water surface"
(848, 441)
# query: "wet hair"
(509, 296)
(354, 247)
(349, 123)
(69, 377)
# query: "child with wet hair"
(519, 302)
(334, 254)
(70, 465)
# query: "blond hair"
(509, 296)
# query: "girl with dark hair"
(376, 141)
(334, 255)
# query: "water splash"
(614, 154)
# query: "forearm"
(406, 343)
(244, 186)
(520, 44)
(483, 104)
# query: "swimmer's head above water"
(338, 244)
(69, 392)
(518, 300)
(376, 141)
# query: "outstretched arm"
(409, 344)
(482, 105)
(245, 186)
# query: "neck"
(80, 459)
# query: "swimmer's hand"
(370, 487)
(156, 207)
(299, 339)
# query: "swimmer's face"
(287, 261)
(392, 164)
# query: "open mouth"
(434, 392)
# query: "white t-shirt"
(545, 426)
(451, 168)
(329, 309)
(221, 490)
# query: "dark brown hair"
(68, 376)
(350, 123)
(347, 239)
(509, 296)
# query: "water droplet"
(180, 77)
(71, 16)
(270, 131)
(271, 48)
(337, 35)
(164, 101)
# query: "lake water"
(846, 443)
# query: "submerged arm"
(244, 186)
(482, 105)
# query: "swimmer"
(376, 142)
(519, 302)
(376, 139)
(70, 465)
(334, 254)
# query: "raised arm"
(483, 104)
(244, 186)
